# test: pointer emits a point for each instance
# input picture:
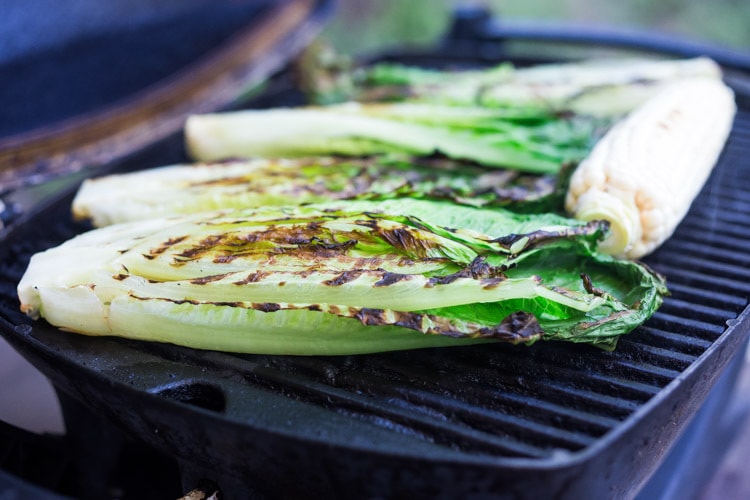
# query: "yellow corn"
(644, 173)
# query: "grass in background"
(369, 25)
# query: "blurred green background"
(369, 25)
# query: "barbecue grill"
(552, 420)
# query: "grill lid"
(123, 82)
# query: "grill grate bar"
(728, 180)
(689, 326)
(712, 216)
(386, 402)
(562, 363)
(494, 423)
(725, 245)
(731, 224)
(649, 373)
(664, 359)
(670, 340)
(709, 267)
(740, 137)
(686, 309)
(741, 126)
(726, 240)
(712, 298)
(736, 144)
(430, 426)
(575, 396)
(615, 405)
(512, 390)
(721, 284)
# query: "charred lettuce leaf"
(342, 278)
(183, 189)
(532, 140)
(604, 87)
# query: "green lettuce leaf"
(342, 278)
(183, 189)
(604, 87)
(529, 140)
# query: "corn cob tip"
(644, 174)
(623, 217)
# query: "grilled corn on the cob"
(645, 172)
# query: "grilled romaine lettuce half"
(183, 189)
(342, 278)
(527, 139)
(601, 87)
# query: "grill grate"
(491, 401)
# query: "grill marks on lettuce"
(341, 278)
(276, 182)
(518, 327)
(350, 243)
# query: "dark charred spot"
(266, 306)
(562, 291)
(536, 238)
(516, 328)
(314, 307)
(174, 301)
(321, 248)
(305, 273)
(369, 262)
(371, 317)
(192, 302)
(207, 279)
(308, 240)
(230, 304)
(120, 277)
(245, 238)
(225, 258)
(492, 283)
(477, 269)
(165, 246)
(253, 277)
(409, 320)
(204, 246)
(589, 325)
(444, 280)
(588, 285)
(237, 180)
(343, 278)
(391, 278)
(404, 239)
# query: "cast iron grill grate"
(491, 402)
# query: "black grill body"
(552, 420)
